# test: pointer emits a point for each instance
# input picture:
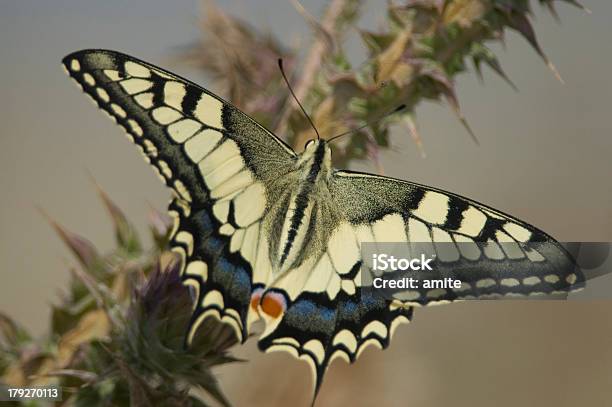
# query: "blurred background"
(544, 157)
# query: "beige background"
(544, 157)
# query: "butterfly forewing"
(214, 157)
(490, 252)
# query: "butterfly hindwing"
(214, 157)
(329, 310)
(318, 329)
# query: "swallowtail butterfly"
(265, 232)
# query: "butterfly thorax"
(314, 168)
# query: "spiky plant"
(117, 335)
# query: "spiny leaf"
(447, 88)
(82, 248)
(160, 226)
(13, 335)
(520, 22)
(414, 133)
(481, 54)
(125, 233)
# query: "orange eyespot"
(273, 304)
(255, 300)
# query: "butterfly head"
(317, 156)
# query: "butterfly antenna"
(280, 66)
(397, 109)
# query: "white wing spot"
(333, 286)
(346, 338)
(493, 214)
(472, 223)
(214, 297)
(165, 169)
(391, 228)
(250, 204)
(227, 230)
(112, 75)
(468, 248)
(227, 151)
(197, 268)
(183, 130)
(376, 327)
(166, 115)
(145, 100)
(134, 69)
(221, 211)
(551, 278)
(534, 255)
(75, 65)
(518, 232)
(533, 280)
(89, 79)
(150, 148)
(465, 286)
(420, 238)
(445, 247)
(182, 190)
(209, 111)
(510, 247)
(187, 239)
(118, 110)
(236, 241)
(232, 166)
(135, 85)
(409, 295)
(135, 127)
(342, 248)
(201, 144)
(250, 242)
(102, 94)
(509, 282)
(433, 208)
(348, 286)
(315, 347)
(174, 92)
(232, 185)
(485, 283)
(493, 251)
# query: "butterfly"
(266, 233)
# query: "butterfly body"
(265, 232)
(299, 210)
